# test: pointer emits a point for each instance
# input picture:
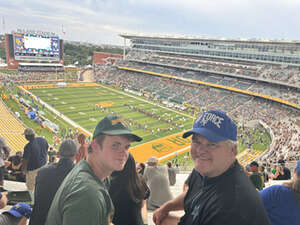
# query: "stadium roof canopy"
(40, 64)
(194, 38)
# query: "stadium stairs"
(11, 129)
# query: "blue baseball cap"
(20, 209)
(215, 126)
(298, 167)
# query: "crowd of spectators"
(284, 74)
(273, 90)
(242, 107)
(32, 77)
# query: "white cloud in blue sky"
(100, 21)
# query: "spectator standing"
(286, 171)
(273, 169)
(52, 155)
(82, 151)
(255, 176)
(4, 153)
(171, 173)
(157, 178)
(264, 174)
(224, 193)
(34, 157)
(128, 192)
(83, 197)
(48, 180)
(17, 215)
(281, 159)
(282, 202)
(279, 174)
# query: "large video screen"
(36, 47)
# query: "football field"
(88, 105)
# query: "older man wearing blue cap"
(219, 191)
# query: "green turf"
(78, 104)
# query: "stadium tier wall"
(101, 58)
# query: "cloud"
(96, 20)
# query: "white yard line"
(141, 99)
(119, 92)
(71, 122)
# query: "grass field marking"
(67, 119)
(68, 94)
(150, 135)
(105, 104)
(178, 152)
(132, 96)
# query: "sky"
(101, 21)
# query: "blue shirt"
(281, 205)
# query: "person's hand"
(3, 200)
(159, 215)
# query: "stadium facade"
(251, 50)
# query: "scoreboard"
(37, 47)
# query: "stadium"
(158, 86)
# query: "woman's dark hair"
(142, 165)
(131, 179)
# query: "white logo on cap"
(216, 120)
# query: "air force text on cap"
(213, 118)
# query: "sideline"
(156, 147)
(71, 122)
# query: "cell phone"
(13, 197)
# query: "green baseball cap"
(114, 125)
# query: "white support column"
(124, 49)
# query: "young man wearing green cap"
(219, 191)
(83, 197)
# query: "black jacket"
(226, 199)
(48, 180)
